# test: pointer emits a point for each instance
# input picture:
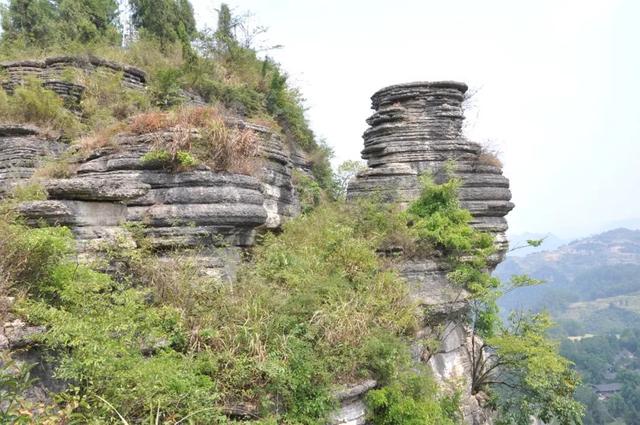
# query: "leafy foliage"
(165, 20)
(15, 379)
(528, 376)
(45, 23)
(316, 307)
(32, 103)
(411, 399)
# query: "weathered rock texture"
(56, 73)
(417, 128)
(54, 69)
(23, 148)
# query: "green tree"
(169, 21)
(526, 375)
(32, 21)
(89, 21)
(224, 32)
(44, 23)
(347, 171)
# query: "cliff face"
(416, 128)
(201, 208)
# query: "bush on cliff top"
(31, 103)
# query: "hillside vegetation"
(218, 65)
(592, 291)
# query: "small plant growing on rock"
(15, 380)
(489, 155)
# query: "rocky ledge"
(216, 212)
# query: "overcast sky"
(558, 87)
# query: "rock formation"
(417, 128)
(200, 208)
(23, 149)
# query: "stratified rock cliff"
(23, 148)
(417, 128)
(201, 208)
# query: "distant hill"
(584, 280)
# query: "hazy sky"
(558, 87)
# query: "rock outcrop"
(417, 128)
(60, 73)
(23, 149)
(54, 69)
(217, 212)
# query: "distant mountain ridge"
(598, 266)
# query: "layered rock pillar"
(417, 128)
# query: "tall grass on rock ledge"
(199, 135)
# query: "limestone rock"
(419, 126)
(352, 410)
(23, 148)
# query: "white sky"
(558, 81)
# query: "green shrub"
(32, 103)
(15, 380)
(157, 158)
(411, 400)
(29, 256)
(165, 87)
(106, 100)
(308, 190)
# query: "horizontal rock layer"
(23, 148)
(54, 72)
(54, 69)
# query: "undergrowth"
(316, 307)
(33, 104)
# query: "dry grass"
(100, 138)
(489, 155)
(55, 169)
(149, 122)
(202, 132)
